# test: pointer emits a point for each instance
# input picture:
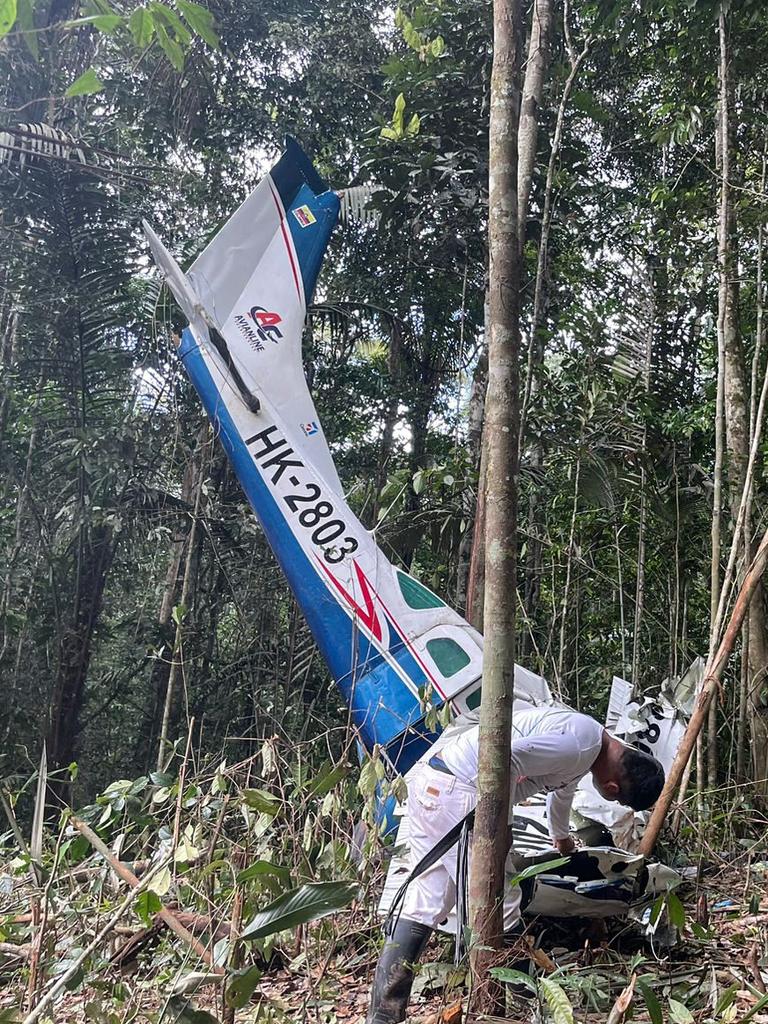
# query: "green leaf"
(557, 1000)
(240, 986)
(413, 126)
(200, 21)
(437, 46)
(147, 904)
(329, 777)
(675, 911)
(179, 611)
(263, 867)
(537, 869)
(513, 977)
(26, 22)
(398, 116)
(679, 1013)
(88, 83)
(651, 1001)
(726, 998)
(107, 23)
(161, 882)
(142, 27)
(7, 16)
(172, 21)
(310, 902)
(262, 801)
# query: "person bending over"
(552, 749)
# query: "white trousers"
(437, 802)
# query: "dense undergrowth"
(272, 886)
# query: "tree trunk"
(96, 552)
(147, 739)
(190, 575)
(490, 843)
(533, 90)
(527, 135)
(735, 405)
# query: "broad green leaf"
(537, 869)
(679, 1013)
(651, 1000)
(557, 1001)
(7, 16)
(185, 852)
(437, 46)
(88, 83)
(264, 867)
(330, 775)
(142, 27)
(200, 21)
(179, 611)
(675, 911)
(261, 800)
(26, 22)
(147, 904)
(161, 882)
(172, 21)
(240, 986)
(308, 903)
(413, 125)
(513, 977)
(368, 780)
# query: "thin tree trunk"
(533, 90)
(177, 657)
(96, 552)
(568, 570)
(643, 519)
(486, 884)
(537, 63)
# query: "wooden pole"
(712, 676)
(128, 876)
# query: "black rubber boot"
(394, 972)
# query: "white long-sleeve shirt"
(551, 751)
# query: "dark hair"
(642, 779)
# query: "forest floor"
(710, 971)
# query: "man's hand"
(565, 846)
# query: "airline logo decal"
(310, 429)
(259, 325)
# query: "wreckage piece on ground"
(396, 650)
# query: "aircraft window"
(473, 700)
(449, 657)
(416, 595)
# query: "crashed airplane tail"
(393, 646)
